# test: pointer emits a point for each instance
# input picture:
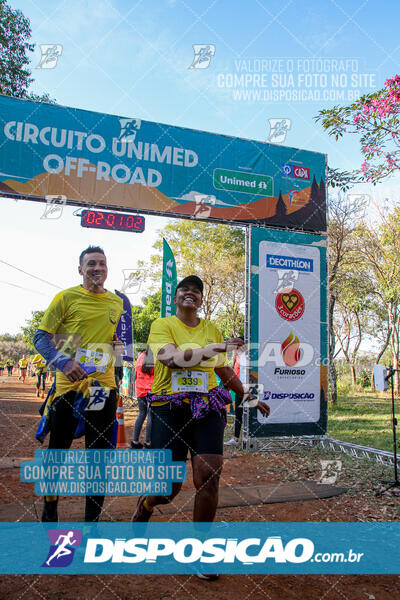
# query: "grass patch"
(363, 418)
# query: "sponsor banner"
(125, 328)
(289, 331)
(288, 262)
(176, 548)
(169, 282)
(103, 472)
(110, 161)
(296, 171)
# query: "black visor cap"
(191, 279)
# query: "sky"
(133, 59)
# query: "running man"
(39, 364)
(10, 366)
(2, 366)
(84, 318)
(188, 408)
(23, 365)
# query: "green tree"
(30, 328)
(15, 47)
(343, 217)
(143, 316)
(379, 248)
(13, 348)
(216, 254)
(351, 315)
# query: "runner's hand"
(234, 344)
(74, 371)
(251, 401)
(263, 408)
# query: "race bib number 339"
(189, 381)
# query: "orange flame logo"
(290, 350)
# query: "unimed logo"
(191, 550)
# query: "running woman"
(188, 408)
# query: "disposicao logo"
(191, 550)
(62, 547)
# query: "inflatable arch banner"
(109, 161)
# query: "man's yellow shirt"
(38, 362)
(87, 321)
(23, 363)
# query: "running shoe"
(141, 514)
(232, 442)
(208, 576)
(136, 445)
(49, 514)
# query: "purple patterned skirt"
(217, 400)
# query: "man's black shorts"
(174, 427)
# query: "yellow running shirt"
(171, 330)
(23, 363)
(89, 321)
(38, 362)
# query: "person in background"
(39, 365)
(239, 364)
(10, 366)
(2, 365)
(143, 381)
(23, 365)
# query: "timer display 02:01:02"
(112, 220)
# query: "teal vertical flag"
(169, 282)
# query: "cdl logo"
(297, 171)
(301, 172)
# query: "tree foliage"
(343, 216)
(15, 48)
(379, 247)
(12, 348)
(30, 328)
(375, 119)
(216, 254)
(142, 316)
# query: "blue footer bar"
(179, 548)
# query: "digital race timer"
(112, 220)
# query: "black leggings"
(40, 379)
(99, 426)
